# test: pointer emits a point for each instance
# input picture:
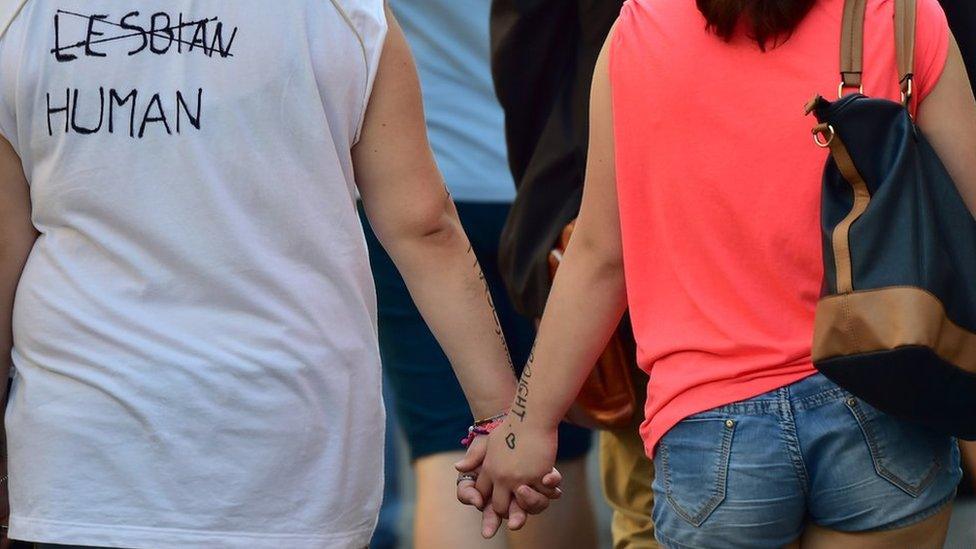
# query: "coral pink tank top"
(719, 189)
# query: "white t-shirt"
(195, 331)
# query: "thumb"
(473, 458)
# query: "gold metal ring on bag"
(907, 92)
(820, 131)
(841, 86)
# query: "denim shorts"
(754, 473)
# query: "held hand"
(518, 472)
(526, 500)
(468, 469)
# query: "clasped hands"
(510, 474)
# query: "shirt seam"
(6, 24)
(362, 47)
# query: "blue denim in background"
(386, 535)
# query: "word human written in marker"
(79, 37)
(117, 112)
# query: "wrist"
(489, 406)
(534, 422)
(541, 423)
(484, 427)
(537, 415)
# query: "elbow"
(429, 225)
(442, 228)
(605, 258)
(610, 267)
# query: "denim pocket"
(695, 466)
(905, 454)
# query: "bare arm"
(414, 218)
(17, 237)
(588, 296)
(587, 301)
(948, 119)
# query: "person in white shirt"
(185, 290)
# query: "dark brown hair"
(769, 22)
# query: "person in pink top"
(701, 214)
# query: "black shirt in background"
(962, 21)
(543, 55)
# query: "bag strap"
(905, 15)
(852, 46)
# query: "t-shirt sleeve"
(621, 36)
(931, 47)
(369, 20)
(9, 61)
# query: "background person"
(962, 20)
(543, 54)
(718, 240)
(449, 39)
(387, 534)
(961, 15)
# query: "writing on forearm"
(499, 333)
(520, 406)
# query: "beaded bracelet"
(483, 427)
(497, 417)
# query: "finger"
(490, 522)
(533, 502)
(553, 479)
(500, 498)
(469, 495)
(551, 493)
(516, 516)
(473, 458)
(483, 486)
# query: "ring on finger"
(467, 476)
